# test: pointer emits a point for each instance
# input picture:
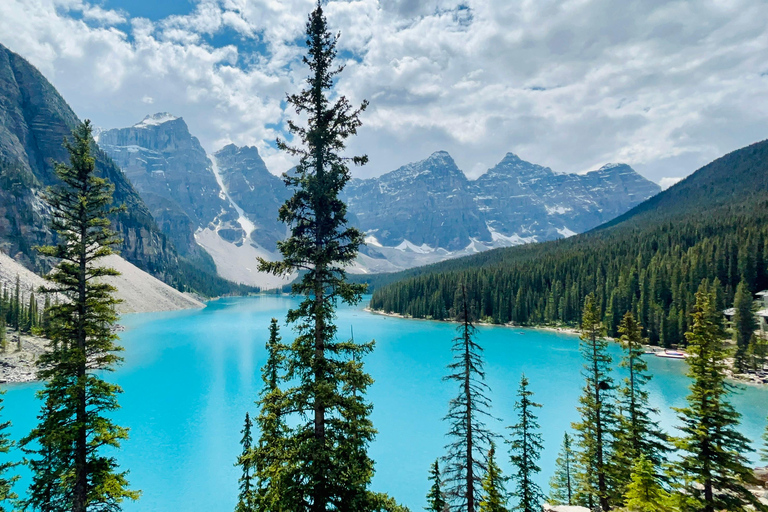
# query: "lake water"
(190, 376)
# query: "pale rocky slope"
(139, 291)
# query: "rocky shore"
(17, 363)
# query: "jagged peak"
(513, 165)
(610, 166)
(234, 148)
(511, 157)
(440, 156)
(156, 119)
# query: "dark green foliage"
(19, 310)
(744, 323)
(594, 433)
(713, 470)
(7, 496)
(637, 433)
(328, 384)
(245, 499)
(71, 470)
(649, 261)
(269, 457)
(465, 460)
(562, 482)
(525, 450)
(436, 497)
(494, 497)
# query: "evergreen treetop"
(594, 431)
(562, 482)
(494, 496)
(327, 389)
(436, 497)
(637, 433)
(466, 457)
(74, 467)
(525, 448)
(713, 470)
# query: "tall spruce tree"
(562, 482)
(73, 446)
(594, 431)
(712, 470)
(637, 432)
(269, 457)
(744, 323)
(436, 497)
(525, 450)
(332, 424)
(245, 499)
(494, 497)
(466, 457)
(7, 496)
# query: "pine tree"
(561, 483)
(245, 499)
(436, 498)
(269, 455)
(75, 441)
(465, 462)
(712, 468)
(3, 335)
(525, 450)
(494, 496)
(644, 493)
(7, 496)
(744, 322)
(596, 408)
(320, 246)
(637, 432)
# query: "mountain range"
(192, 217)
(709, 231)
(421, 213)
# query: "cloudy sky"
(665, 86)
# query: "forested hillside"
(650, 261)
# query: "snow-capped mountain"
(174, 176)
(421, 213)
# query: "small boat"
(672, 354)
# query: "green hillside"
(651, 260)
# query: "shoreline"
(738, 378)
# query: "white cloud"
(665, 86)
(665, 183)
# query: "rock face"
(430, 207)
(34, 120)
(174, 176)
(518, 198)
(421, 213)
(255, 190)
(425, 203)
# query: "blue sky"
(663, 85)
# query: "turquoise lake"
(190, 376)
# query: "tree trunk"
(80, 496)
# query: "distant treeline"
(652, 271)
(21, 312)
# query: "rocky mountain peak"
(512, 166)
(156, 120)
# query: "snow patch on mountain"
(557, 210)
(239, 263)
(244, 222)
(566, 232)
(155, 120)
